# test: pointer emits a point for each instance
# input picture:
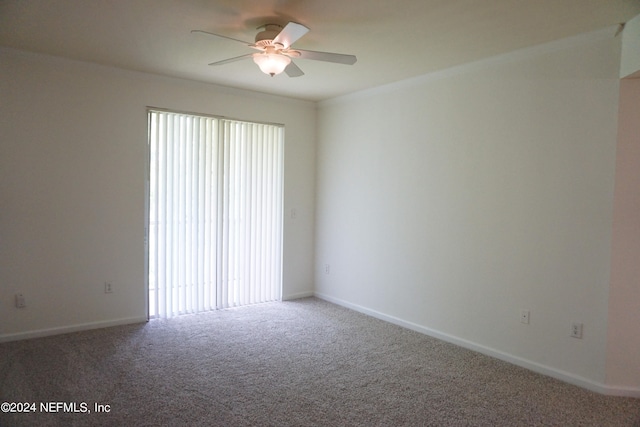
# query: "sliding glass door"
(215, 213)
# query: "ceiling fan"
(275, 51)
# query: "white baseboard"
(524, 363)
(72, 328)
(298, 296)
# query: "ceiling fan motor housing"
(265, 37)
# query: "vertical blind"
(215, 213)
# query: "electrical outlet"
(576, 330)
(327, 269)
(20, 302)
(108, 287)
(524, 316)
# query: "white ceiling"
(393, 39)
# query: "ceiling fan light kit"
(274, 44)
(271, 63)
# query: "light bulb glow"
(271, 63)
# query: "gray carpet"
(297, 363)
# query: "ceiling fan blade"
(293, 70)
(290, 33)
(237, 58)
(225, 37)
(338, 58)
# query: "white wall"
(449, 202)
(72, 179)
(630, 62)
(623, 358)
